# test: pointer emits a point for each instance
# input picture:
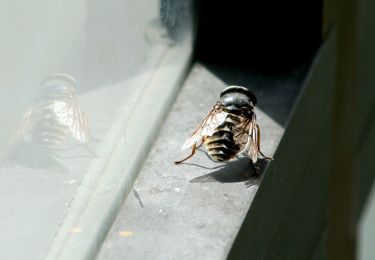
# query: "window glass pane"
(70, 70)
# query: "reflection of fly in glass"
(55, 117)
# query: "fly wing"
(69, 115)
(241, 134)
(79, 129)
(206, 128)
(247, 137)
(253, 151)
(25, 127)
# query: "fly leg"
(252, 165)
(194, 147)
(191, 155)
(248, 174)
(258, 144)
(192, 152)
(200, 144)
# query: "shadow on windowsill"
(234, 171)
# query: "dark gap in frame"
(269, 37)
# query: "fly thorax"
(236, 99)
(233, 119)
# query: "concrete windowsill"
(196, 209)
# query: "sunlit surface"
(366, 236)
(194, 210)
(70, 71)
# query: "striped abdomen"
(47, 130)
(221, 145)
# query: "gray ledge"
(195, 210)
